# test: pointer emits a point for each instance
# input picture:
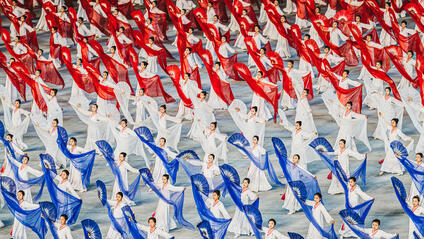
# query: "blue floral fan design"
(145, 133)
(49, 211)
(321, 144)
(279, 147)
(101, 192)
(238, 139)
(399, 187)
(61, 132)
(254, 215)
(230, 173)
(47, 158)
(201, 183)
(188, 154)
(399, 149)
(352, 217)
(293, 235)
(205, 230)
(104, 147)
(8, 184)
(299, 188)
(146, 175)
(91, 229)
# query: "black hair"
(120, 194)
(420, 154)
(299, 122)
(21, 191)
(376, 221)
(166, 176)
(152, 218)
(217, 192)
(343, 140)
(257, 137)
(247, 179)
(353, 178)
(64, 216)
(396, 120)
(74, 139)
(319, 195)
(255, 108)
(19, 101)
(214, 123)
(66, 172)
(272, 220)
(125, 121)
(56, 120)
(123, 154)
(416, 197)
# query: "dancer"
(375, 231)
(152, 231)
(19, 230)
(116, 206)
(271, 232)
(320, 214)
(258, 180)
(124, 167)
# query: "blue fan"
(91, 229)
(128, 212)
(146, 175)
(299, 189)
(47, 158)
(62, 134)
(201, 183)
(279, 147)
(205, 230)
(352, 217)
(238, 139)
(49, 211)
(254, 215)
(188, 154)
(144, 132)
(398, 185)
(2, 130)
(399, 149)
(320, 144)
(293, 235)
(101, 192)
(8, 184)
(230, 173)
(105, 148)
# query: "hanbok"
(290, 201)
(418, 211)
(282, 47)
(191, 90)
(63, 232)
(127, 142)
(273, 234)
(48, 136)
(96, 124)
(304, 112)
(159, 169)
(214, 100)
(75, 174)
(42, 22)
(378, 234)
(385, 38)
(390, 108)
(24, 171)
(151, 60)
(54, 111)
(66, 186)
(96, 7)
(155, 233)
(15, 123)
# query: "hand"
(409, 99)
(184, 189)
(379, 113)
(332, 221)
(186, 158)
(316, 177)
(108, 115)
(281, 121)
(316, 133)
(366, 116)
(148, 102)
(3, 97)
(198, 120)
(47, 166)
(79, 106)
(237, 109)
(236, 52)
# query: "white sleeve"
(326, 215)
(130, 168)
(363, 195)
(224, 211)
(173, 188)
(353, 83)
(252, 195)
(356, 155)
(71, 190)
(68, 234)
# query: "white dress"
(336, 36)
(74, 174)
(163, 217)
(290, 201)
(49, 136)
(321, 215)
(217, 209)
(54, 111)
(128, 142)
(42, 23)
(343, 158)
(15, 123)
(240, 224)
(190, 90)
(258, 101)
(19, 230)
(300, 138)
(95, 127)
(282, 47)
(119, 215)
(210, 145)
(124, 167)
(258, 180)
(413, 191)
(270, 30)
(304, 113)
(214, 100)
(390, 108)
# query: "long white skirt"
(258, 181)
(163, 219)
(290, 202)
(239, 224)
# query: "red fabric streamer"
(175, 75)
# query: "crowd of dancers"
(288, 64)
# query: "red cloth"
(16, 81)
(24, 74)
(26, 59)
(221, 88)
(117, 71)
(95, 18)
(104, 92)
(160, 54)
(395, 54)
(266, 91)
(55, 50)
(153, 85)
(175, 75)
(64, 28)
(49, 73)
(84, 81)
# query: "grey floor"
(386, 206)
